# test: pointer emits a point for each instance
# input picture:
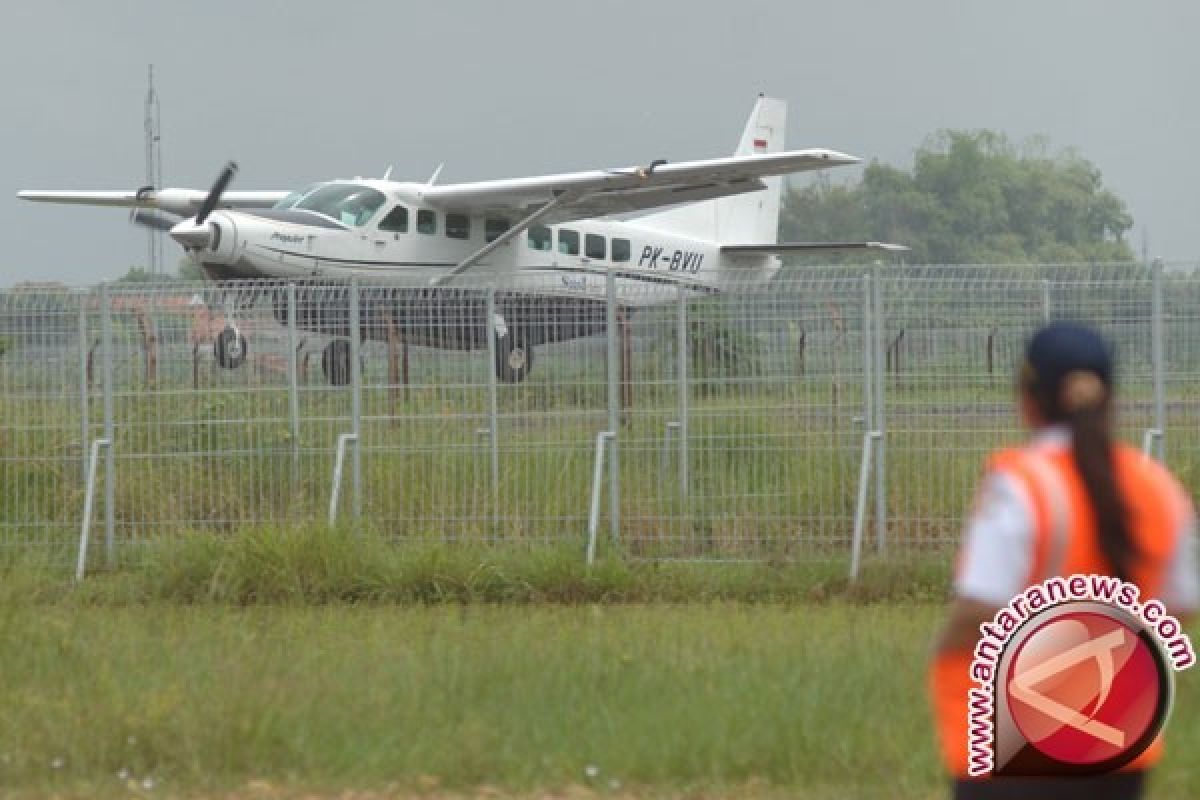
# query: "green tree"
(971, 197)
(141, 275)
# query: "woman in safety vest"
(1069, 502)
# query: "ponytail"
(1083, 403)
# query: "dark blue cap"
(1063, 347)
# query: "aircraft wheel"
(230, 348)
(335, 362)
(514, 357)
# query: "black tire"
(335, 362)
(230, 348)
(514, 357)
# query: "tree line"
(971, 197)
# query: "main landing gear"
(230, 348)
(514, 356)
(514, 345)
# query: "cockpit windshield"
(295, 197)
(348, 203)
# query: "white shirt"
(997, 548)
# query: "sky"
(300, 91)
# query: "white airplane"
(549, 241)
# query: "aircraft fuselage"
(405, 240)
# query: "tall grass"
(318, 565)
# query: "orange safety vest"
(1158, 507)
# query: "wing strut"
(505, 237)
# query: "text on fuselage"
(673, 260)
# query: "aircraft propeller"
(214, 194)
(197, 233)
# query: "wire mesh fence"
(470, 414)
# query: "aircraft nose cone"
(191, 235)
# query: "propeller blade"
(156, 220)
(214, 194)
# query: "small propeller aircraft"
(550, 242)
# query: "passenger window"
(396, 221)
(568, 243)
(620, 249)
(593, 246)
(458, 226)
(494, 227)
(426, 221)
(540, 237)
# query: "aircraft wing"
(184, 202)
(580, 195)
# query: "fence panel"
(769, 425)
(47, 388)
(740, 415)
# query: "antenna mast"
(153, 170)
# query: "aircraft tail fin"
(750, 218)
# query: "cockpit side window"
(348, 203)
(426, 221)
(396, 221)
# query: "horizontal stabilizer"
(810, 247)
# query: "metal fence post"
(293, 383)
(356, 399)
(110, 488)
(84, 414)
(870, 439)
(614, 409)
(335, 489)
(868, 338)
(879, 321)
(683, 392)
(493, 402)
(594, 506)
(1047, 306)
(1158, 359)
(89, 493)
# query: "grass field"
(530, 676)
